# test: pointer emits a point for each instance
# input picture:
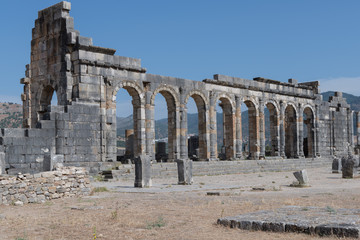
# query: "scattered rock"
(213, 193)
(18, 203)
(302, 178)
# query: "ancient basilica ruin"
(81, 129)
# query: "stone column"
(282, 129)
(300, 124)
(351, 130)
(316, 132)
(149, 126)
(358, 128)
(183, 131)
(238, 153)
(262, 129)
(142, 171)
(212, 124)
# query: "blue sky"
(280, 39)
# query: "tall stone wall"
(86, 79)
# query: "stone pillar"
(238, 153)
(212, 124)
(141, 135)
(300, 124)
(183, 133)
(316, 132)
(262, 129)
(282, 129)
(149, 126)
(351, 130)
(184, 171)
(129, 143)
(142, 171)
(358, 128)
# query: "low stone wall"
(165, 170)
(37, 188)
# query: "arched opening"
(226, 130)
(271, 130)
(165, 127)
(250, 130)
(290, 132)
(308, 132)
(125, 121)
(48, 97)
(197, 144)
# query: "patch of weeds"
(305, 209)
(260, 175)
(201, 183)
(114, 215)
(286, 176)
(94, 233)
(156, 224)
(222, 213)
(330, 210)
(100, 189)
(128, 171)
(99, 178)
(169, 186)
(273, 181)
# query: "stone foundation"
(37, 188)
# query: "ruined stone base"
(310, 220)
(142, 171)
(184, 171)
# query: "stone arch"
(254, 134)
(291, 135)
(202, 107)
(227, 105)
(46, 95)
(137, 95)
(308, 131)
(274, 128)
(172, 102)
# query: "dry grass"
(172, 215)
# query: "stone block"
(347, 167)
(142, 171)
(184, 167)
(336, 165)
(52, 161)
(302, 177)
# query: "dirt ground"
(170, 211)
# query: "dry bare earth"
(172, 212)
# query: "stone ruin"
(81, 129)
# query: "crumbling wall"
(28, 188)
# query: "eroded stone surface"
(310, 220)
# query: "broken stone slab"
(336, 165)
(142, 171)
(302, 177)
(184, 171)
(297, 219)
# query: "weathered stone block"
(347, 167)
(142, 171)
(51, 162)
(302, 177)
(336, 165)
(184, 171)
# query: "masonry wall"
(28, 188)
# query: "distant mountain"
(10, 115)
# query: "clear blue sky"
(307, 40)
